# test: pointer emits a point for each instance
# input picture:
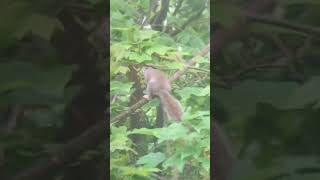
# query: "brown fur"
(159, 85)
(171, 105)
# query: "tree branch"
(192, 62)
(87, 140)
(283, 23)
(192, 18)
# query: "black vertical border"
(107, 90)
(212, 135)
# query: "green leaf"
(152, 159)
(173, 64)
(205, 91)
(184, 37)
(115, 6)
(145, 131)
(119, 51)
(250, 93)
(172, 132)
(144, 3)
(305, 94)
(40, 25)
(176, 161)
(139, 171)
(205, 163)
(26, 75)
(151, 104)
(116, 68)
(120, 88)
(139, 57)
(119, 139)
(24, 83)
(204, 123)
(159, 49)
(196, 91)
(189, 149)
(146, 34)
(198, 115)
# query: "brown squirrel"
(159, 85)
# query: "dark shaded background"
(266, 86)
(53, 87)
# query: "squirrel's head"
(146, 70)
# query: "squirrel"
(159, 85)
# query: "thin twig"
(190, 20)
(191, 63)
(283, 23)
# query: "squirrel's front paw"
(147, 97)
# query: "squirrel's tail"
(171, 105)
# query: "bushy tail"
(171, 105)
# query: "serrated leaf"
(172, 132)
(119, 139)
(151, 159)
(119, 51)
(133, 56)
(120, 88)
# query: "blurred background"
(266, 88)
(52, 88)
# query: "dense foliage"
(49, 57)
(139, 149)
(267, 87)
